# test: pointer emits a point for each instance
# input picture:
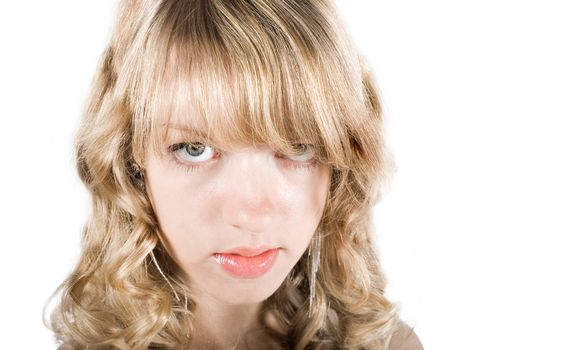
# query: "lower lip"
(246, 266)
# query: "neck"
(220, 326)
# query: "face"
(235, 222)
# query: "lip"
(244, 262)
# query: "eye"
(304, 153)
(193, 152)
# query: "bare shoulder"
(404, 338)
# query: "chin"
(252, 291)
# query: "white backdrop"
(481, 232)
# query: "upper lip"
(248, 251)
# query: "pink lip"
(247, 262)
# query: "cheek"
(319, 190)
(306, 206)
(180, 213)
(310, 201)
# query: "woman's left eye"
(304, 153)
(193, 152)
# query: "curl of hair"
(116, 298)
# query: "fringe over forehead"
(244, 72)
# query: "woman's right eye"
(193, 152)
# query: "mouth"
(247, 262)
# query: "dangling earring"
(169, 283)
(314, 257)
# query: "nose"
(249, 203)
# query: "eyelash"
(173, 149)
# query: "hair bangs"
(233, 76)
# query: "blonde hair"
(260, 71)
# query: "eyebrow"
(189, 131)
(178, 126)
(184, 128)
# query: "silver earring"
(314, 261)
(169, 283)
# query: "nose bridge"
(249, 201)
(251, 169)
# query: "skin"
(217, 201)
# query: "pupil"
(195, 150)
(301, 147)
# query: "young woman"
(233, 153)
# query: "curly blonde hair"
(264, 71)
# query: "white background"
(481, 232)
